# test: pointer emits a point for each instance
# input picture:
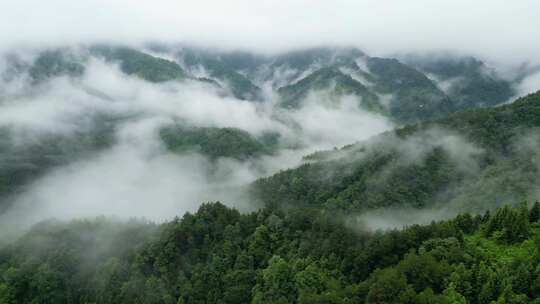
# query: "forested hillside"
(216, 142)
(218, 255)
(145, 66)
(471, 160)
(464, 79)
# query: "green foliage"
(218, 255)
(380, 172)
(303, 59)
(54, 63)
(509, 225)
(332, 79)
(381, 179)
(534, 214)
(416, 98)
(65, 262)
(215, 142)
(226, 69)
(147, 67)
(240, 86)
(306, 252)
(276, 284)
(389, 286)
(471, 82)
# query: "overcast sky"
(499, 29)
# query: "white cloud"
(336, 123)
(529, 85)
(499, 29)
(137, 176)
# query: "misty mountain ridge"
(415, 89)
(236, 114)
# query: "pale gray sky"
(498, 29)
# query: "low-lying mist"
(506, 180)
(134, 174)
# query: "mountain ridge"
(413, 96)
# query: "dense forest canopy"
(218, 255)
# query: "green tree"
(534, 214)
(485, 282)
(276, 284)
(424, 271)
(260, 245)
(390, 286)
(6, 296)
(429, 297)
(453, 296)
(507, 295)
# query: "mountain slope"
(471, 160)
(218, 255)
(225, 69)
(52, 64)
(328, 79)
(466, 80)
(147, 67)
(72, 62)
(414, 96)
(384, 85)
(407, 91)
(411, 90)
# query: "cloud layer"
(136, 176)
(502, 30)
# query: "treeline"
(218, 255)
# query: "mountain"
(414, 96)
(403, 90)
(329, 79)
(466, 80)
(471, 160)
(226, 69)
(291, 66)
(72, 62)
(382, 85)
(145, 66)
(408, 90)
